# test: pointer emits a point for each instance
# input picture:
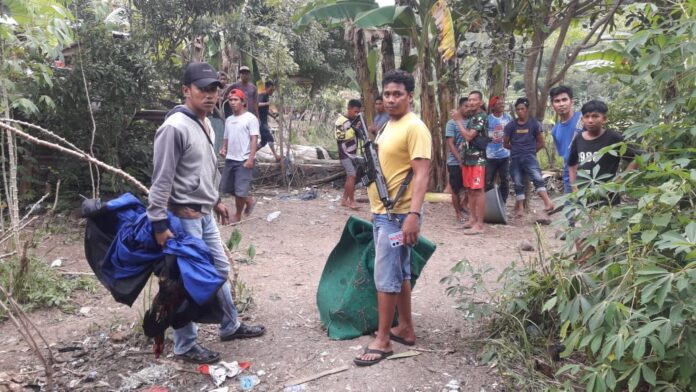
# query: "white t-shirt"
(238, 132)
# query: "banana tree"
(345, 12)
(424, 25)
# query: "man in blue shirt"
(454, 140)
(497, 156)
(569, 124)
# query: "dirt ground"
(102, 348)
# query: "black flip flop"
(199, 354)
(555, 210)
(365, 362)
(401, 340)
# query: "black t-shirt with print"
(584, 154)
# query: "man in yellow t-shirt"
(348, 147)
(404, 145)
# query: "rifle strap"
(403, 187)
(409, 176)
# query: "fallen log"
(330, 178)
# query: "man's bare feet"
(549, 207)
(403, 335)
(468, 224)
(474, 230)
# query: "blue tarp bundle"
(133, 251)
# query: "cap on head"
(237, 93)
(244, 68)
(202, 75)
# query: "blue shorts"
(392, 265)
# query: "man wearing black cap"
(249, 90)
(185, 181)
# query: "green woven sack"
(346, 297)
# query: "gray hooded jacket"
(184, 167)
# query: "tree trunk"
(367, 88)
(387, 52)
(533, 57)
(447, 98)
(429, 115)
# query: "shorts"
(392, 265)
(456, 180)
(474, 177)
(349, 166)
(266, 135)
(236, 179)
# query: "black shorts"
(266, 135)
(456, 180)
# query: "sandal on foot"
(399, 339)
(370, 362)
(199, 354)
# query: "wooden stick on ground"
(325, 373)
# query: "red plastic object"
(203, 369)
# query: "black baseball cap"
(202, 75)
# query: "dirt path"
(291, 252)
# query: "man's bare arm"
(411, 225)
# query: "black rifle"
(371, 169)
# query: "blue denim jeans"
(566, 180)
(528, 164)
(206, 229)
(392, 265)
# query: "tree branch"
(565, 25)
(570, 59)
(77, 154)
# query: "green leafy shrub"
(627, 317)
(35, 285)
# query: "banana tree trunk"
(430, 116)
(447, 91)
(388, 62)
(367, 88)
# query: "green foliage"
(243, 297)
(334, 12)
(32, 34)
(234, 240)
(121, 81)
(36, 285)
(627, 317)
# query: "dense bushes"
(627, 317)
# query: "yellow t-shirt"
(343, 129)
(401, 142)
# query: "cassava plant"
(627, 317)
